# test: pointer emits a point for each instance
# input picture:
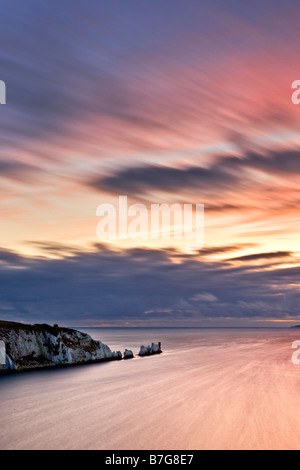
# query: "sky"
(182, 101)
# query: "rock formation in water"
(117, 355)
(149, 350)
(42, 345)
(32, 346)
(128, 354)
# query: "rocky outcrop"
(38, 346)
(128, 354)
(117, 355)
(149, 350)
(33, 346)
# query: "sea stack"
(24, 347)
(128, 354)
(149, 350)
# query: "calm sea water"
(210, 389)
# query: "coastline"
(41, 346)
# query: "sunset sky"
(173, 101)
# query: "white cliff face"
(29, 346)
(33, 346)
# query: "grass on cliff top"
(36, 327)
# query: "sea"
(211, 388)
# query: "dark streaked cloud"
(220, 250)
(16, 170)
(138, 286)
(136, 76)
(221, 176)
(262, 256)
(144, 179)
(92, 83)
(278, 163)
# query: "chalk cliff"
(41, 345)
(37, 346)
